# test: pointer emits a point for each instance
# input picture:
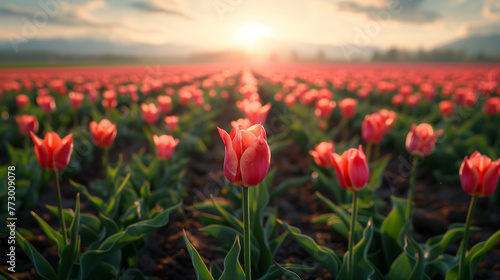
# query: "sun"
(249, 35)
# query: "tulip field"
(264, 171)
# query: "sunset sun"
(249, 35)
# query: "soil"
(437, 206)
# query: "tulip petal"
(254, 163)
(41, 151)
(62, 154)
(469, 177)
(230, 159)
(357, 168)
(490, 179)
(340, 165)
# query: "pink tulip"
(421, 139)
(22, 101)
(446, 107)
(53, 153)
(352, 169)
(247, 155)
(376, 125)
(165, 146)
(75, 99)
(324, 108)
(348, 107)
(322, 154)
(150, 113)
(47, 103)
(27, 124)
(254, 111)
(479, 175)
(103, 133)
(164, 103)
(171, 122)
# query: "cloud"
(14, 11)
(480, 29)
(491, 9)
(409, 11)
(169, 7)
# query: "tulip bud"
(22, 100)
(27, 124)
(75, 99)
(150, 113)
(352, 169)
(103, 133)
(421, 139)
(47, 103)
(479, 175)
(171, 122)
(446, 107)
(248, 156)
(53, 153)
(322, 154)
(348, 107)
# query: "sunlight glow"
(249, 35)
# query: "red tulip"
(109, 99)
(322, 154)
(479, 175)
(22, 100)
(164, 103)
(352, 169)
(348, 107)
(446, 107)
(150, 113)
(52, 152)
(245, 123)
(171, 122)
(103, 133)
(492, 106)
(324, 108)
(397, 100)
(75, 99)
(47, 103)
(27, 124)
(254, 111)
(247, 155)
(376, 125)
(421, 139)
(165, 146)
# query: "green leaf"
(412, 259)
(5, 275)
(276, 272)
(237, 224)
(324, 255)
(137, 231)
(96, 201)
(41, 264)
(391, 229)
(201, 270)
(288, 184)
(232, 267)
(477, 252)
(342, 214)
(53, 235)
(289, 274)
(363, 267)
(439, 247)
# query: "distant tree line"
(436, 55)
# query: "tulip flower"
(374, 128)
(421, 139)
(27, 124)
(165, 146)
(171, 122)
(479, 177)
(109, 99)
(47, 103)
(164, 103)
(103, 133)
(353, 174)
(492, 106)
(247, 155)
(348, 107)
(324, 108)
(75, 99)
(254, 111)
(245, 123)
(246, 163)
(150, 113)
(397, 100)
(446, 108)
(322, 154)
(54, 153)
(22, 100)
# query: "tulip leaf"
(363, 267)
(477, 252)
(438, 248)
(6, 276)
(288, 184)
(232, 267)
(411, 260)
(53, 235)
(278, 270)
(391, 229)
(261, 195)
(232, 220)
(442, 264)
(111, 245)
(224, 234)
(289, 274)
(342, 214)
(200, 268)
(42, 266)
(324, 255)
(96, 201)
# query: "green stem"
(411, 188)
(350, 261)
(377, 151)
(26, 142)
(369, 146)
(75, 118)
(105, 163)
(59, 208)
(246, 224)
(345, 129)
(470, 215)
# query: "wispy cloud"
(169, 7)
(411, 11)
(14, 12)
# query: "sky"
(223, 24)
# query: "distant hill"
(486, 45)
